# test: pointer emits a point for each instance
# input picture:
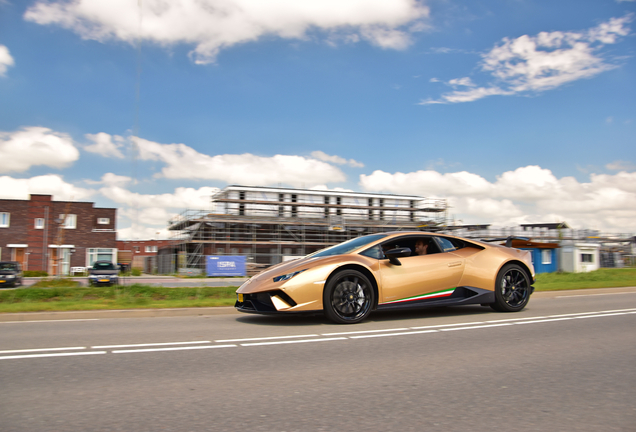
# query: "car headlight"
(288, 276)
(10, 276)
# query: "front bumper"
(103, 281)
(8, 281)
(269, 302)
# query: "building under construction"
(270, 225)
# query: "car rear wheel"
(512, 289)
(348, 297)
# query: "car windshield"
(8, 266)
(103, 266)
(348, 246)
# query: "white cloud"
(12, 188)
(147, 215)
(542, 62)
(183, 162)
(36, 146)
(336, 159)
(465, 82)
(106, 145)
(5, 60)
(111, 179)
(181, 199)
(212, 25)
(620, 165)
(527, 194)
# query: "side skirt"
(461, 296)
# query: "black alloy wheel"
(512, 289)
(348, 297)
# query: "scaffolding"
(271, 225)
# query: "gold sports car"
(392, 270)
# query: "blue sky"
(515, 111)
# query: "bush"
(136, 271)
(35, 273)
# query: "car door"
(420, 277)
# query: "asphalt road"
(565, 363)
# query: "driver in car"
(421, 247)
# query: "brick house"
(55, 236)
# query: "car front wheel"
(348, 297)
(512, 289)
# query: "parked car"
(103, 273)
(10, 273)
(392, 270)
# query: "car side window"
(374, 252)
(446, 244)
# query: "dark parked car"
(10, 273)
(103, 273)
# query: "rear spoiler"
(508, 240)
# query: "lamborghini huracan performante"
(392, 270)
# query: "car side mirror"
(394, 254)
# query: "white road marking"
(149, 344)
(172, 349)
(52, 355)
(393, 334)
(42, 349)
(446, 325)
(48, 321)
(293, 342)
(477, 327)
(278, 340)
(265, 338)
(592, 295)
(364, 331)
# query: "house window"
(587, 258)
(100, 254)
(151, 249)
(136, 249)
(546, 256)
(69, 221)
(39, 223)
(103, 221)
(5, 219)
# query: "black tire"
(512, 289)
(348, 297)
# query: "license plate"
(240, 298)
(3, 281)
(104, 280)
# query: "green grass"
(603, 278)
(116, 297)
(56, 283)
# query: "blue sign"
(221, 265)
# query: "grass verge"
(65, 295)
(135, 296)
(603, 278)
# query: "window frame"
(69, 221)
(3, 216)
(546, 256)
(41, 226)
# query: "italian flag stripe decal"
(438, 294)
